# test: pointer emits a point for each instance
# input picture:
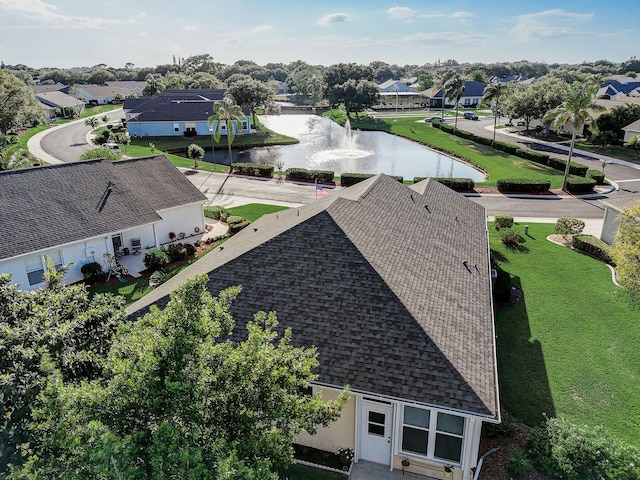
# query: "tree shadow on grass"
(524, 384)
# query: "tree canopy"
(253, 94)
(18, 104)
(626, 248)
(178, 398)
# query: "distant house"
(392, 86)
(399, 308)
(613, 207)
(619, 87)
(176, 113)
(471, 97)
(76, 212)
(100, 94)
(57, 104)
(135, 87)
(631, 130)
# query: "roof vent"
(426, 207)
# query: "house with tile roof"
(392, 285)
(177, 113)
(57, 103)
(471, 96)
(77, 212)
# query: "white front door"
(375, 432)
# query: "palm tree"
(92, 122)
(634, 144)
(578, 101)
(225, 113)
(493, 92)
(454, 88)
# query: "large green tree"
(55, 331)
(626, 248)
(253, 94)
(578, 105)
(341, 85)
(18, 104)
(180, 399)
(226, 114)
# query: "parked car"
(113, 146)
(433, 119)
(470, 116)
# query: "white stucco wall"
(180, 219)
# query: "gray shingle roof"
(376, 281)
(49, 206)
(622, 202)
(58, 99)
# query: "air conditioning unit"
(90, 251)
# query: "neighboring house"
(76, 212)
(100, 94)
(613, 207)
(56, 104)
(53, 87)
(394, 86)
(136, 88)
(471, 97)
(631, 130)
(176, 113)
(392, 285)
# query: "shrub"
(541, 158)
(564, 450)
(593, 246)
(457, 184)
(155, 259)
(322, 176)
(516, 185)
(217, 213)
(234, 219)
(176, 252)
(92, 271)
(597, 175)
(510, 238)
(237, 226)
(348, 179)
(518, 463)
(580, 185)
(501, 222)
(191, 249)
(255, 169)
(446, 128)
(506, 147)
(574, 168)
(501, 291)
(569, 226)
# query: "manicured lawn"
(569, 348)
(253, 211)
(302, 472)
(615, 151)
(498, 165)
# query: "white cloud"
(401, 13)
(333, 18)
(39, 10)
(550, 23)
(461, 15)
(190, 28)
(262, 29)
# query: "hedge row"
(348, 179)
(322, 176)
(541, 158)
(457, 184)
(597, 175)
(255, 169)
(593, 246)
(580, 185)
(523, 186)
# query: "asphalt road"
(68, 143)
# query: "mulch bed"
(317, 457)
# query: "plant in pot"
(346, 457)
(448, 470)
(172, 236)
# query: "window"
(36, 265)
(432, 434)
(176, 127)
(376, 424)
(245, 125)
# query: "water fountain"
(345, 153)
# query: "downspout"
(482, 457)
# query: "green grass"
(253, 211)
(497, 165)
(569, 348)
(132, 290)
(615, 151)
(302, 472)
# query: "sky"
(76, 33)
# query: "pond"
(325, 145)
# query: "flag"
(321, 192)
